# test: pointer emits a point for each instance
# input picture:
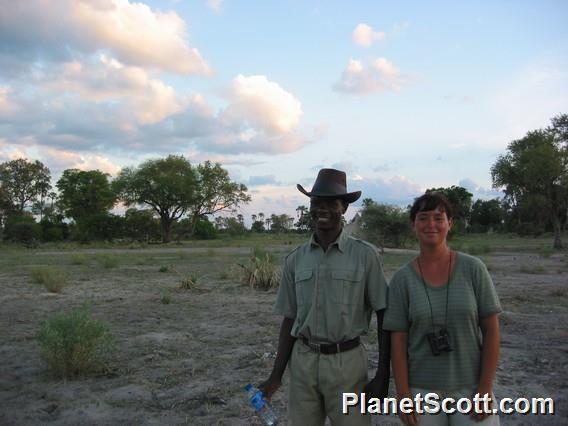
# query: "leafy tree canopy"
(22, 182)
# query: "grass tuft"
(74, 343)
(52, 278)
(163, 269)
(165, 297)
(261, 272)
(78, 259)
(107, 261)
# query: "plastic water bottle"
(261, 405)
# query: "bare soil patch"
(186, 362)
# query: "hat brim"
(350, 197)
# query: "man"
(330, 287)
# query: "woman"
(442, 312)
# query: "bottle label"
(257, 401)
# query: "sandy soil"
(186, 362)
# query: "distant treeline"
(178, 200)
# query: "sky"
(402, 96)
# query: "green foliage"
(54, 229)
(99, 226)
(385, 224)
(261, 273)
(107, 261)
(74, 343)
(281, 223)
(487, 215)
(215, 192)
(85, 193)
(165, 297)
(460, 199)
(21, 228)
(534, 170)
(52, 278)
(23, 182)
(304, 223)
(163, 269)
(141, 225)
(166, 185)
(78, 259)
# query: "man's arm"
(379, 386)
(285, 346)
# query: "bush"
(74, 343)
(385, 225)
(261, 272)
(21, 228)
(52, 278)
(107, 261)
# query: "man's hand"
(377, 388)
(269, 386)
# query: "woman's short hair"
(431, 201)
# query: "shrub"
(165, 297)
(21, 228)
(163, 269)
(52, 278)
(78, 259)
(188, 282)
(107, 261)
(74, 343)
(261, 272)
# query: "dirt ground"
(186, 362)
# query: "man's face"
(326, 212)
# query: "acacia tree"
(23, 182)
(536, 167)
(167, 185)
(214, 192)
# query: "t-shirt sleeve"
(376, 291)
(396, 315)
(486, 294)
(286, 297)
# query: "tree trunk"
(557, 232)
(166, 222)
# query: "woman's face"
(432, 227)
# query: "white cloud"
(377, 76)
(133, 32)
(364, 35)
(215, 5)
(397, 190)
(147, 99)
(7, 106)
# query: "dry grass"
(53, 279)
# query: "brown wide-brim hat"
(331, 183)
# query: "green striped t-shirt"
(472, 296)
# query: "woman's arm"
(489, 356)
(399, 359)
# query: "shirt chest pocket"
(304, 282)
(347, 286)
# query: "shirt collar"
(339, 242)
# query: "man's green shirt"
(331, 295)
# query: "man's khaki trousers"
(317, 382)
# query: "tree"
(487, 215)
(385, 224)
(86, 197)
(141, 225)
(23, 182)
(280, 223)
(215, 192)
(461, 200)
(304, 223)
(536, 166)
(167, 185)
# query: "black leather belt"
(332, 348)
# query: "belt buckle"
(314, 347)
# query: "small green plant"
(78, 259)
(546, 252)
(261, 272)
(74, 343)
(52, 278)
(165, 297)
(107, 261)
(163, 269)
(537, 269)
(187, 282)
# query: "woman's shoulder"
(468, 261)
(403, 275)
